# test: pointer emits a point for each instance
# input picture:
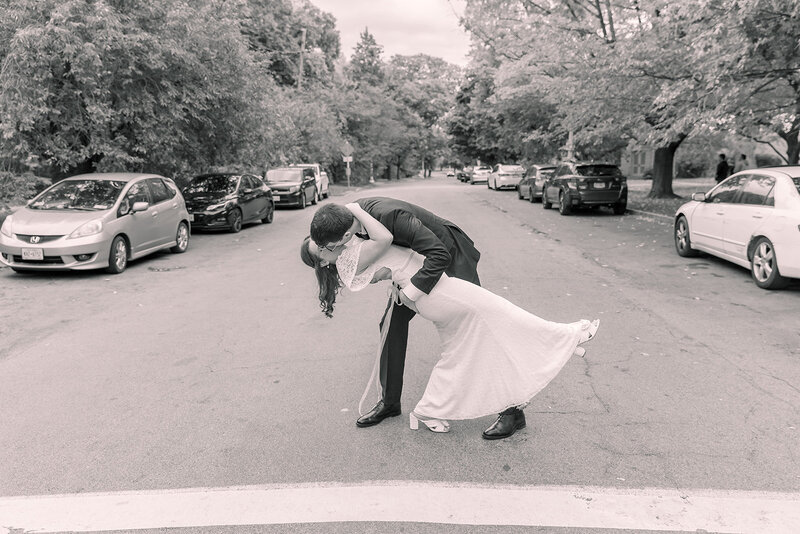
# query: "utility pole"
(302, 49)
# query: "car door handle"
(155, 214)
(758, 216)
(720, 213)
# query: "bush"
(18, 189)
(691, 168)
(768, 160)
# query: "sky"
(404, 27)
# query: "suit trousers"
(393, 354)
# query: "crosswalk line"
(652, 509)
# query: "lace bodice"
(402, 261)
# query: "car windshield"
(213, 183)
(79, 195)
(797, 183)
(283, 175)
(598, 170)
(548, 172)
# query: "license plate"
(191, 217)
(32, 254)
(599, 185)
(276, 198)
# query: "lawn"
(683, 187)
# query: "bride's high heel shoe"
(434, 425)
(588, 331)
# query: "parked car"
(228, 200)
(450, 172)
(578, 184)
(480, 175)
(321, 177)
(326, 180)
(751, 219)
(464, 174)
(505, 177)
(93, 221)
(292, 186)
(532, 184)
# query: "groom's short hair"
(330, 223)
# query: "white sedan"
(751, 219)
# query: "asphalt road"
(215, 368)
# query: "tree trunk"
(792, 142)
(662, 170)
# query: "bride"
(495, 355)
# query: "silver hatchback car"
(93, 221)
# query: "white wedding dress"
(495, 355)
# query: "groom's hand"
(407, 302)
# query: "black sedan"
(228, 200)
(578, 184)
(293, 186)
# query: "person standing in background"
(723, 170)
(742, 163)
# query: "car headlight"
(219, 206)
(294, 189)
(6, 228)
(90, 228)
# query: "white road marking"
(400, 501)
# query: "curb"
(650, 213)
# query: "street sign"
(347, 149)
(347, 159)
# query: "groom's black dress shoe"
(507, 423)
(377, 414)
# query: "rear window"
(511, 168)
(284, 175)
(598, 170)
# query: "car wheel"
(564, 207)
(181, 239)
(764, 266)
(683, 244)
(519, 194)
(620, 207)
(118, 255)
(546, 204)
(302, 203)
(235, 221)
(270, 213)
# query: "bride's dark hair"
(327, 278)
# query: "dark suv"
(576, 184)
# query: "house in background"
(636, 161)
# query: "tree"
(425, 86)
(366, 66)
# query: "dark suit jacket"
(445, 246)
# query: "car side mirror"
(139, 206)
(247, 191)
(700, 197)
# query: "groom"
(447, 249)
